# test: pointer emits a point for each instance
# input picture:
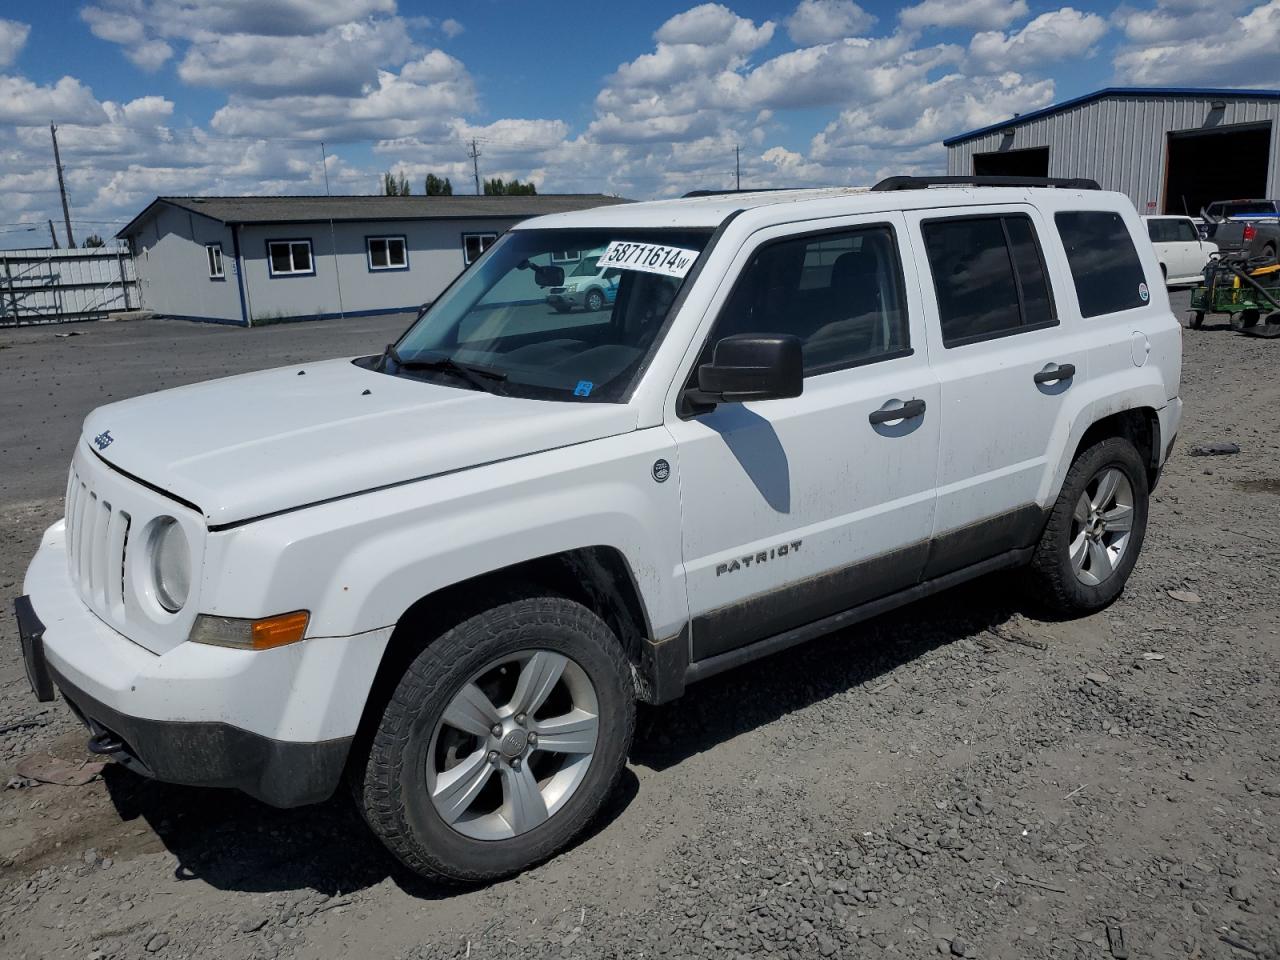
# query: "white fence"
(53, 286)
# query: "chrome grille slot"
(97, 537)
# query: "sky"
(189, 97)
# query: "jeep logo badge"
(661, 470)
(103, 440)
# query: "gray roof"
(310, 209)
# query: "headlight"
(170, 564)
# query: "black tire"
(1197, 320)
(391, 791)
(1269, 252)
(1245, 319)
(594, 301)
(1052, 575)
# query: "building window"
(989, 277)
(213, 253)
(290, 258)
(566, 256)
(387, 253)
(474, 244)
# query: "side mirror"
(751, 366)
(548, 276)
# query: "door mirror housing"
(750, 366)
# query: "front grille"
(97, 539)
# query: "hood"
(258, 443)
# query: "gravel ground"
(960, 778)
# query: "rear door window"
(989, 277)
(1104, 263)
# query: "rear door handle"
(903, 411)
(1055, 372)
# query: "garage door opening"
(1229, 163)
(1033, 162)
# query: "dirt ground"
(960, 778)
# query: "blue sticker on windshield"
(583, 389)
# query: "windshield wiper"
(480, 377)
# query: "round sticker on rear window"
(1143, 293)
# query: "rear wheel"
(1197, 320)
(1245, 319)
(1095, 530)
(501, 742)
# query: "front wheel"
(1095, 530)
(1245, 319)
(1197, 320)
(501, 742)
(595, 301)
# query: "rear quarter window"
(1104, 263)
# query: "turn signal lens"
(260, 634)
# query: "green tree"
(93, 240)
(511, 188)
(437, 187)
(393, 186)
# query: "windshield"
(506, 324)
(588, 267)
(1255, 208)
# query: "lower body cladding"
(276, 724)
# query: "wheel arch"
(599, 577)
(1140, 426)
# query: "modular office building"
(1172, 150)
(246, 260)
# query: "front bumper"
(570, 298)
(277, 724)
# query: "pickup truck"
(1250, 227)
(446, 573)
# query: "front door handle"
(905, 411)
(1055, 372)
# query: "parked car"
(1249, 227)
(589, 287)
(1179, 248)
(450, 571)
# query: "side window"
(1104, 264)
(989, 277)
(1187, 231)
(841, 293)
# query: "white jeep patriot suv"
(448, 572)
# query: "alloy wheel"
(513, 745)
(1101, 525)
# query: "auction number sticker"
(648, 258)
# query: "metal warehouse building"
(1170, 150)
(246, 260)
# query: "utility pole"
(53, 236)
(737, 166)
(324, 163)
(475, 164)
(62, 188)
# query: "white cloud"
(1058, 35)
(451, 27)
(816, 21)
(419, 100)
(13, 37)
(1243, 51)
(987, 14)
(339, 61)
(25, 103)
(194, 19)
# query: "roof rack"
(725, 193)
(920, 183)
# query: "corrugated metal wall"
(1121, 141)
(50, 286)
